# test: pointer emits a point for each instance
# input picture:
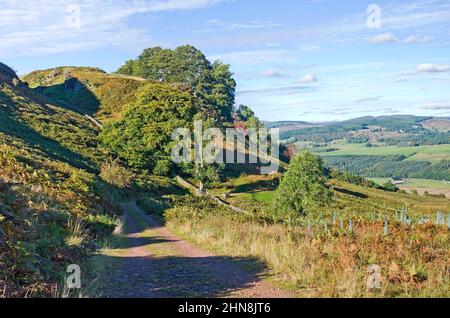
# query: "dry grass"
(415, 262)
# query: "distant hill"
(286, 126)
(440, 124)
(85, 89)
(327, 131)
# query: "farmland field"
(429, 153)
(420, 185)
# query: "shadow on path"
(151, 262)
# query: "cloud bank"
(31, 27)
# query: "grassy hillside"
(254, 193)
(440, 124)
(84, 89)
(54, 208)
(326, 259)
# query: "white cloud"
(272, 73)
(383, 38)
(418, 39)
(310, 48)
(31, 27)
(230, 26)
(437, 106)
(369, 99)
(309, 78)
(433, 68)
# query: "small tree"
(302, 187)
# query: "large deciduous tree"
(143, 135)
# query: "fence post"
(386, 228)
(350, 226)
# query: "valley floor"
(147, 260)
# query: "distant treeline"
(391, 166)
(416, 134)
(423, 139)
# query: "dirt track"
(151, 262)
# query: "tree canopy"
(213, 82)
(302, 187)
(246, 115)
(143, 135)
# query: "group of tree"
(212, 82)
(142, 137)
(183, 87)
(186, 87)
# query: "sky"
(307, 60)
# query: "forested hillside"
(386, 146)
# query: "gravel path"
(151, 262)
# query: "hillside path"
(151, 262)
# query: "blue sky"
(313, 60)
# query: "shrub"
(115, 174)
(389, 186)
(153, 206)
(162, 167)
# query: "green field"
(428, 153)
(417, 183)
(263, 196)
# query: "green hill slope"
(51, 210)
(85, 89)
